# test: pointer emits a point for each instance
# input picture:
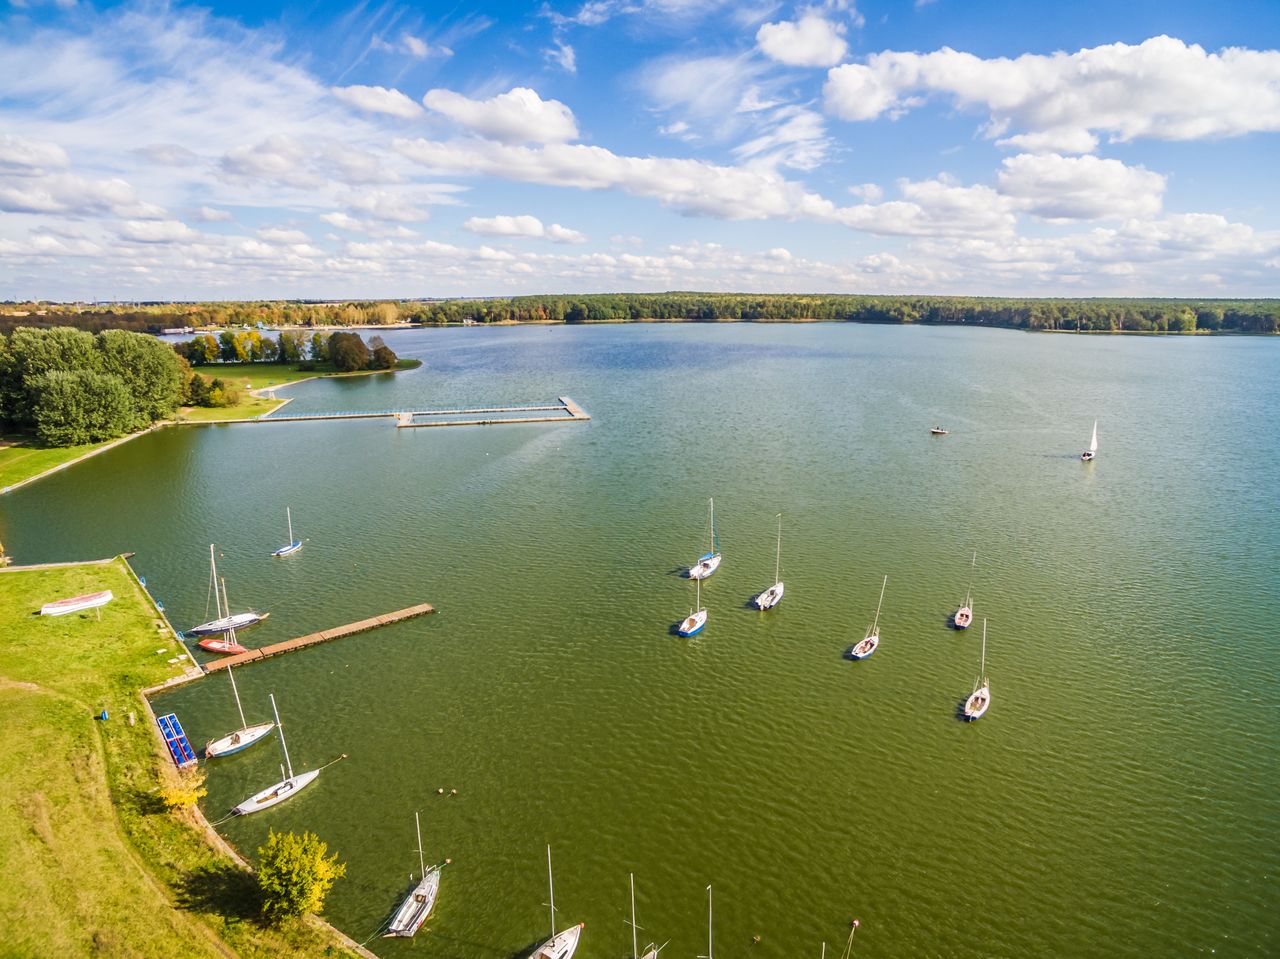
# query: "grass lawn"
(95, 865)
(20, 460)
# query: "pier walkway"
(289, 645)
(564, 411)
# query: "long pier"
(311, 639)
(566, 410)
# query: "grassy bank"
(95, 864)
(21, 458)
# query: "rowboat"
(76, 604)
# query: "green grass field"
(20, 460)
(95, 865)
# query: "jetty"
(565, 410)
(311, 639)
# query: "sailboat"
(224, 621)
(242, 738)
(709, 561)
(964, 615)
(417, 905)
(287, 787)
(563, 944)
(708, 955)
(1092, 452)
(223, 642)
(294, 544)
(772, 596)
(697, 617)
(650, 951)
(872, 640)
(980, 698)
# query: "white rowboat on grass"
(76, 604)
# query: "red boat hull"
(216, 644)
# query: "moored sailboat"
(417, 905)
(709, 561)
(242, 738)
(772, 596)
(561, 945)
(697, 617)
(225, 620)
(223, 642)
(871, 642)
(980, 698)
(650, 951)
(287, 788)
(1092, 452)
(294, 544)
(963, 616)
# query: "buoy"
(103, 715)
(453, 792)
(440, 791)
(755, 940)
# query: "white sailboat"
(294, 544)
(417, 905)
(772, 596)
(242, 738)
(871, 642)
(224, 642)
(964, 615)
(224, 621)
(561, 945)
(288, 787)
(1092, 452)
(650, 951)
(980, 698)
(697, 617)
(709, 561)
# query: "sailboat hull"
(705, 566)
(963, 617)
(561, 946)
(1087, 457)
(692, 625)
(976, 705)
(221, 644)
(416, 907)
(236, 741)
(865, 648)
(274, 795)
(770, 598)
(287, 550)
(228, 623)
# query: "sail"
(1093, 443)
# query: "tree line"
(1079, 314)
(347, 352)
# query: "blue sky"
(249, 150)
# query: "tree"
(348, 353)
(32, 353)
(319, 346)
(149, 370)
(382, 358)
(295, 875)
(78, 407)
(185, 790)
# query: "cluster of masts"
(974, 706)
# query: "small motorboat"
(938, 431)
(76, 604)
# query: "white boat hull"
(274, 795)
(561, 946)
(236, 741)
(416, 907)
(228, 623)
(693, 623)
(770, 598)
(963, 617)
(865, 648)
(976, 705)
(287, 550)
(705, 566)
(77, 604)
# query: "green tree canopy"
(295, 874)
(148, 368)
(80, 406)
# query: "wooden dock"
(567, 410)
(289, 645)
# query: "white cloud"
(517, 116)
(562, 55)
(21, 155)
(870, 192)
(811, 41)
(797, 139)
(414, 45)
(75, 195)
(378, 100)
(156, 231)
(276, 234)
(1080, 188)
(1160, 89)
(522, 226)
(209, 215)
(278, 159)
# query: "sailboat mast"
(235, 692)
(635, 949)
(711, 506)
(777, 559)
(289, 516)
(698, 603)
(551, 886)
(972, 566)
(878, 605)
(213, 575)
(417, 827)
(280, 728)
(983, 669)
(708, 922)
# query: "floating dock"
(311, 639)
(179, 748)
(563, 411)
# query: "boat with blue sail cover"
(709, 561)
(294, 544)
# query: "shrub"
(295, 875)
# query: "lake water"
(1118, 799)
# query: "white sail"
(1093, 443)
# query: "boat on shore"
(962, 618)
(772, 596)
(242, 738)
(287, 788)
(709, 561)
(561, 945)
(293, 545)
(77, 604)
(976, 705)
(417, 905)
(871, 642)
(697, 617)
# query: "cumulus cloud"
(811, 41)
(378, 100)
(1080, 188)
(69, 193)
(278, 159)
(517, 116)
(1159, 89)
(211, 215)
(522, 226)
(277, 234)
(21, 155)
(156, 231)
